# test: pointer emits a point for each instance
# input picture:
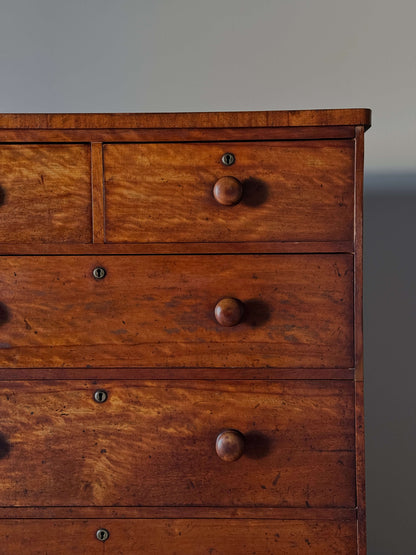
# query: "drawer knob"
(230, 445)
(228, 191)
(229, 311)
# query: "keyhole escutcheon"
(102, 534)
(228, 159)
(99, 272)
(100, 396)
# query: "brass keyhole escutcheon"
(228, 159)
(99, 272)
(100, 396)
(102, 534)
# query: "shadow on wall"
(390, 361)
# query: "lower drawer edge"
(181, 536)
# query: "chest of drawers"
(181, 333)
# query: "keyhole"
(98, 272)
(102, 534)
(100, 396)
(228, 159)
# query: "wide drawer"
(155, 311)
(178, 536)
(291, 191)
(153, 443)
(45, 193)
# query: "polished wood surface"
(270, 513)
(163, 192)
(97, 193)
(45, 194)
(279, 118)
(153, 443)
(170, 373)
(236, 247)
(152, 135)
(179, 536)
(157, 311)
(203, 393)
(358, 339)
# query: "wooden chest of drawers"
(181, 333)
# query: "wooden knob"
(228, 191)
(230, 445)
(229, 311)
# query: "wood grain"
(157, 311)
(235, 247)
(292, 191)
(143, 464)
(360, 471)
(97, 192)
(358, 249)
(177, 373)
(272, 118)
(45, 194)
(178, 537)
(271, 513)
(358, 340)
(152, 443)
(100, 135)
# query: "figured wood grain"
(69, 465)
(271, 118)
(156, 311)
(358, 249)
(45, 194)
(271, 513)
(179, 248)
(97, 192)
(292, 191)
(360, 470)
(178, 537)
(358, 340)
(172, 134)
(152, 443)
(177, 373)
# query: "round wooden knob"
(230, 445)
(229, 311)
(228, 191)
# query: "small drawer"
(284, 311)
(45, 193)
(178, 536)
(157, 443)
(290, 191)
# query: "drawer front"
(291, 191)
(154, 311)
(153, 443)
(45, 193)
(179, 536)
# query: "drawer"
(291, 191)
(153, 443)
(45, 193)
(160, 311)
(179, 536)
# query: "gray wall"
(190, 55)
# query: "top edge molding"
(186, 120)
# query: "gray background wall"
(203, 55)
